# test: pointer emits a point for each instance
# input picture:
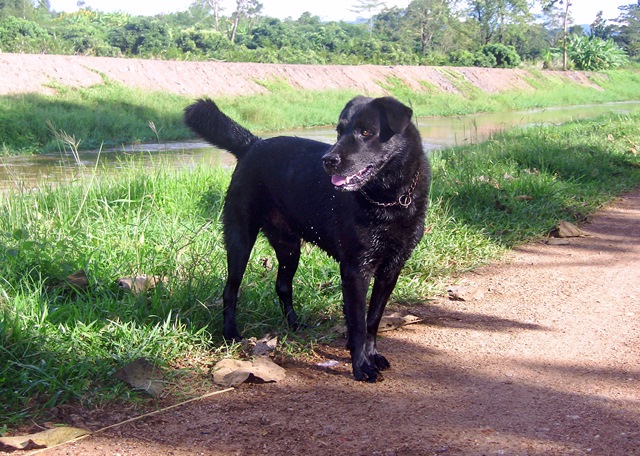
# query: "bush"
(461, 57)
(19, 35)
(595, 54)
(480, 59)
(503, 56)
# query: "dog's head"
(370, 133)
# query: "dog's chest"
(390, 241)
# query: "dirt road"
(545, 361)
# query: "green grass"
(110, 114)
(59, 344)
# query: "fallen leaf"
(233, 372)
(78, 280)
(565, 229)
(44, 439)
(139, 284)
(465, 293)
(265, 345)
(143, 375)
(396, 320)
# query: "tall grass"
(110, 114)
(59, 343)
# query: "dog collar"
(404, 200)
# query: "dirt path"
(545, 363)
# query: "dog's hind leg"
(287, 250)
(239, 243)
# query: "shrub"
(595, 54)
(461, 57)
(20, 35)
(504, 56)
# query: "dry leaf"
(265, 345)
(78, 280)
(524, 198)
(143, 375)
(44, 439)
(139, 284)
(232, 372)
(396, 320)
(565, 229)
(465, 293)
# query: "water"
(437, 132)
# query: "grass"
(110, 114)
(61, 344)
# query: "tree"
(548, 6)
(214, 6)
(244, 9)
(24, 9)
(371, 7)
(628, 29)
(493, 16)
(599, 28)
(431, 19)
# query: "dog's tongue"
(338, 181)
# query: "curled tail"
(205, 119)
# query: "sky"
(583, 11)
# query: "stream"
(437, 132)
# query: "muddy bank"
(31, 73)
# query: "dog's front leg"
(354, 294)
(385, 282)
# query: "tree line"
(486, 33)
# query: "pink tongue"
(338, 180)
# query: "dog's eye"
(365, 132)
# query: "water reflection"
(437, 132)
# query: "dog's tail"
(205, 119)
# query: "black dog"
(362, 200)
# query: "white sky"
(583, 11)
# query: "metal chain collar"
(403, 200)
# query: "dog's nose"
(330, 161)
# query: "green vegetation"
(111, 114)
(595, 54)
(484, 33)
(61, 341)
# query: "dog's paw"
(367, 372)
(380, 362)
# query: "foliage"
(426, 32)
(595, 54)
(497, 56)
(627, 30)
(21, 35)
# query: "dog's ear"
(398, 115)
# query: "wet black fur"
(282, 186)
